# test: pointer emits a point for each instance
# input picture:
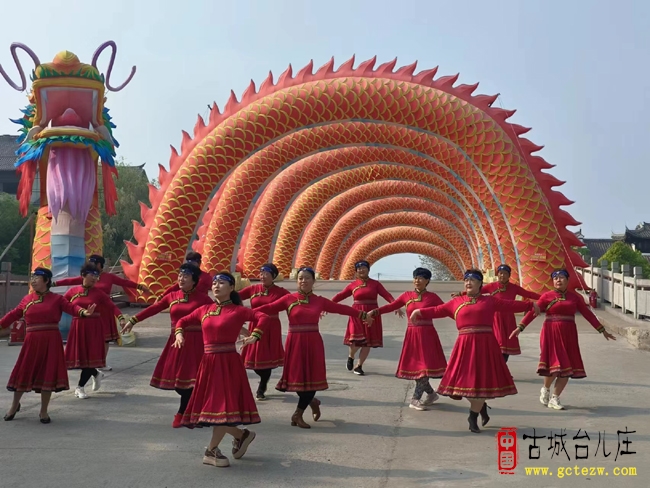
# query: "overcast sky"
(577, 72)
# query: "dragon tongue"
(68, 118)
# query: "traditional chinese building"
(638, 239)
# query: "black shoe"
(46, 420)
(473, 422)
(9, 418)
(485, 418)
(350, 364)
(260, 395)
(358, 370)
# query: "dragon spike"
(519, 129)
(135, 252)
(305, 72)
(140, 232)
(386, 67)
(447, 82)
(232, 103)
(185, 143)
(199, 126)
(287, 75)
(407, 70)
(549, 179)
(347, 68)
(162, 174)
(484, 101)
(366, 67)
(536, 163)
(144, 212)
(559, 199)
(113, 47)
(466, 90)
(249, 93)
(326, 70)
(23, 81)
(175, 160)
(215, 114)
(426, 77)
(501, 114)
(267, 84)
(528, 146)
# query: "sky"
(577, 73)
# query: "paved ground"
(367, 437)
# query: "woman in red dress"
(560, 357)
(222, 396)
(358, 334)
(304, 365)
(176, 368)
(422, 355)
(266, 354)
(505, 323)
(205, 281)
(105, 283)
(476, 369)
(41, 363)
(84, 349)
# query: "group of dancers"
(201, 362)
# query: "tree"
(623, 254)
(10, 222)
(439, 272)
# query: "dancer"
(205, 282)
(41, 363)
(304, 366)
(422, 356)
(505, 323)
(105, 283)
(85, 346)
(176, 368)
(560, 357)
(222, 396)
(358, 335)
(476, 369)
(267, 353)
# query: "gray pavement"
(367, 436)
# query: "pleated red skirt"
(560, 350)
(222, 394)
(358, 333)
(41, 362)
(422, 354)
(177, 367)
(85, 346)
(267, 353)
(109, 327)
(304, 360)
(504, 324)
(476, 367)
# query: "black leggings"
(185, 394)
(265, 376)
(305, 398)
(506, 356)
(86, 374)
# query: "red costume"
(422, 355)
(505, 322)
(365, 298)
(203, 286)
(41, 362)
(105, 283)
(560, 349)
(304, 365)
(267, 353)
(476, 366)
(177, 367)
(85, 345)
(222, 394)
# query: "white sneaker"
(80, 393)
(555, 403)
(417, 405)
(97, 380)
(215, 458)
(430, 398)
(544, 395)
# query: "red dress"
(203, 286)
(85, 345)
(422, 355)
(560, 349)
(505, 322)
(476, 366)
(222, 394)
(105, 283)
(365, 298)
(177, 367)
(267, 353)
(304, 364)
(41, 362)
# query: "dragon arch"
(467, 146)
(412, 247)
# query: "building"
(638, 239)
(8, 177)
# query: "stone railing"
(621, 286)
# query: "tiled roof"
(8, 146)
(598, 247)
(642, 231)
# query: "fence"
(622, 287)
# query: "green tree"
(439, 272)
(10, 222)
(623, 254)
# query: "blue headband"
(268, 270)
(94, 260)
(93, 272)
(307, 268)
(504, 267)
(361, 264)
(40, 272)
(473, 276)
(561, 272)
(223, 277)
(185, 271)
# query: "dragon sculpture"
(65, 132)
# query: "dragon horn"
(15, 46)
(113, 46)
